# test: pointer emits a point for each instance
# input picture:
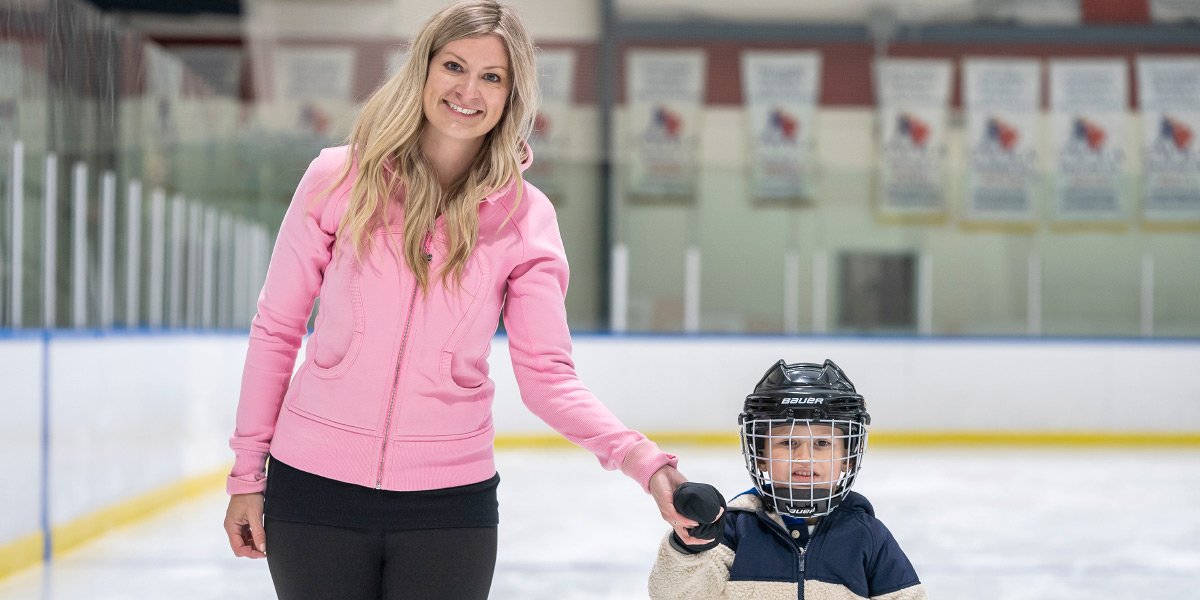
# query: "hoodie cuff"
(248, 475)
(643, 460)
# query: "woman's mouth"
(462, 110)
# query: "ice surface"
(978, 524)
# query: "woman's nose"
(468, 87)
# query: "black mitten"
(702, 503)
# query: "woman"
(417, 237)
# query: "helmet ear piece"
(774, 375)
(837, 375)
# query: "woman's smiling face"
(467, 88)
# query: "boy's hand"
(703, 503)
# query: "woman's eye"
(492, 78)
(453, 66)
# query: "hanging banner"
(1087, 128)
(664, 91)
(12, 77)
(164, 87)
(160, 114)
(314, 86)
(551, 130)
(1169, 90)
(780, 92)
(395, 58)
(912, 99)
(1002, 99)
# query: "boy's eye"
(822, 443)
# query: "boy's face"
(804, 455)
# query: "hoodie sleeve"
(302, 251)
(539, 341)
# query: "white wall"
(127, 414)
(20, 436)
(132, 413)
(681, 384)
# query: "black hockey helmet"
(808, 406)
(805, 390)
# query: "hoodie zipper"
(387, 426)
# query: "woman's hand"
(662, 487)
(244, 524)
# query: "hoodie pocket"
(338, 335)
(462, 364)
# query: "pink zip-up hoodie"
(394, 390)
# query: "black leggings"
(318, 561)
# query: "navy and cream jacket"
(850, 554)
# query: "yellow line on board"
(78, 531)
(1149, 439)
(20, 553)
(27, 551)
(1124, 439)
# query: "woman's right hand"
(244, 524)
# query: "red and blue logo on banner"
(1176, 132)
(913, 129)
(1001, 134)
(1088, 132)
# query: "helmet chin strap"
(801, 501)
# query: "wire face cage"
(803, 467)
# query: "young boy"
(800, 532)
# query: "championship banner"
(160, 113)
(395, 58)
(664, 91)
(1169, 89)
(12, 88)
(780, 92)
(551, 130)
(912, 99)
(1002, 103)
(1087, 128)
(314, 85)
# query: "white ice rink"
(978, 524)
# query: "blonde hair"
(385, 144)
